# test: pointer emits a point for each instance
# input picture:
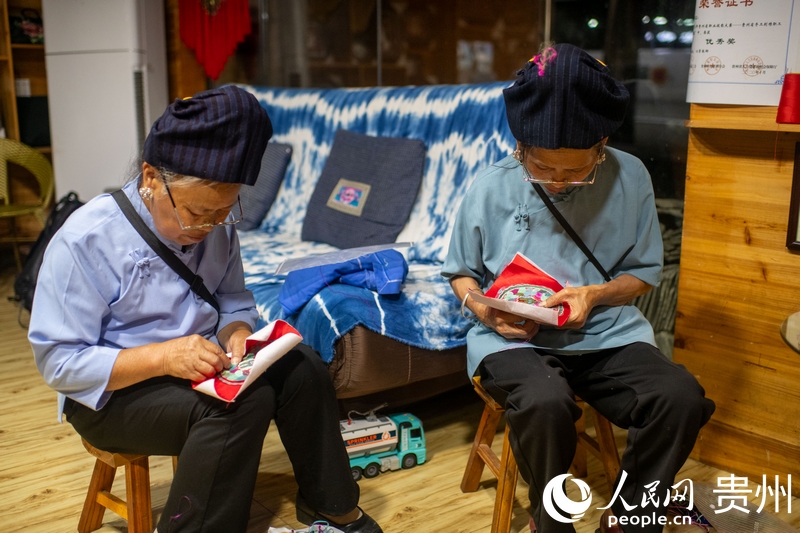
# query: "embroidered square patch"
(372, 205)
(349, 197)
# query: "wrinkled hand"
(508, 325)
(236, 345)
(194, 358)
(581, 301)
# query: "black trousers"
(219, 445)
(636, 387)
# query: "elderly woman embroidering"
(121, 336)
(561, 109)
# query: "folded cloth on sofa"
(425, 314)
(383, 272)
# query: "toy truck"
(379, 443)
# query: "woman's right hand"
(194, 358)
(508, 325)
(505, 324)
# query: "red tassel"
(214, 38)
(789, 106)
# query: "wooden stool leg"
(579, 466)
(137, 482)
(484, 437)
(92, 514)
(506, 487)
(608, 448)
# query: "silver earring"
(146, 193)
(517, 154)
(601, 158)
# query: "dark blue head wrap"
(218, 135)
(564, 98)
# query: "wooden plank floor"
(44, 471)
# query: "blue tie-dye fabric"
(464, 129)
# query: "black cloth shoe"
(364, 523)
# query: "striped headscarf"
(218, 135)
(564, 98)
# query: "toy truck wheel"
(356, 473)
(372, 470)
(410, 461)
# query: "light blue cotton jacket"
(101, 289)
(616, 217)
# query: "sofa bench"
(404, 348)
(389, 349)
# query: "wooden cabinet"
(738, 282)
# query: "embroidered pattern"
(349, 197)
(236, 375)
(528, 294)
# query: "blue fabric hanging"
(383, 272)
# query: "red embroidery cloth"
(262, 348)
(522, 281)
(213, 38)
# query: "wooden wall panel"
(738, 283)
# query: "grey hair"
(173, 178)
(169, 177)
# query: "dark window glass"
(334, 43)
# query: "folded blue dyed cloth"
(383, 272)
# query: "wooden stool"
(137, 509)
(505, 468)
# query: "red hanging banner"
(214, 33)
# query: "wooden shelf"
(743, 125)
(737, 117)
(21, 46)
(44, 149)
(18, 61)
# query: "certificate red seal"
(712, 65)
(753, 66)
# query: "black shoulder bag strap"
(195, 282)
(575, 237)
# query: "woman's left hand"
(581, 301)
(235, 345)
(232, 338)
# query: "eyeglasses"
(529, 178)
(236, 217)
